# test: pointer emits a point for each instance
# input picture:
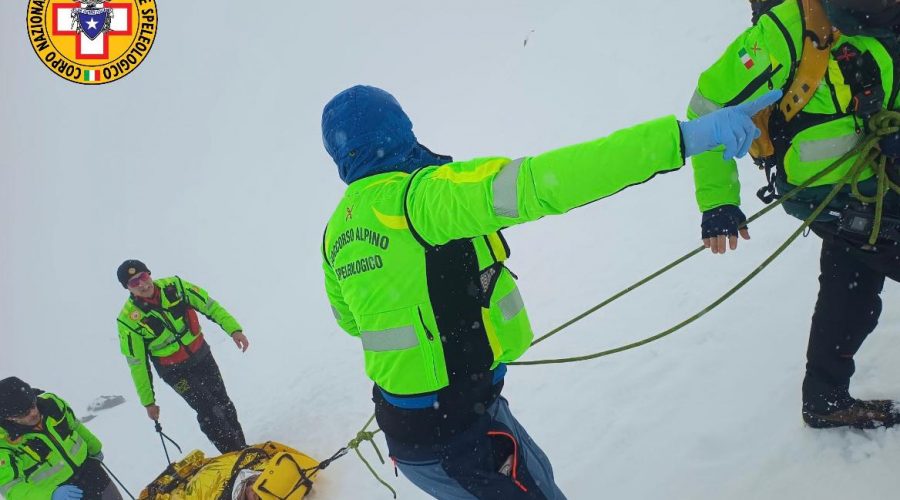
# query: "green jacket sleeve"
(94, 444)
(759, 59)
(471, 198)
(339, 307)
(135, 351)
(201, 301)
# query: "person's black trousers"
(847, 310)
(94, 482)
(200, 383)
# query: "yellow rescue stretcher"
(268, 471)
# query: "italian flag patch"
(91, 75)
(745, 58)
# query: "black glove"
(722, 220)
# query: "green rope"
(883, 123)
(362, 436)
(792, 193)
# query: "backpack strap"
(806, 73)
(818, 38)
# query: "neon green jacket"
(33, 463)
(146, 330)
(392, 236)
(762, 58)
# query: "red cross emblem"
(846, 54)
(121, 25)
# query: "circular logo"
(91, 41)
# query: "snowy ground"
(207, 162)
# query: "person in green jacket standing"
(415, 268)
(45, 452)
(834, 80)
(158, 325)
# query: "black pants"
(847, 311)
(200, 383)
(94, 482)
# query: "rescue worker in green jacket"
(415, 267)
(45, 452)
(159, 325)
(838, 64)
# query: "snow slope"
(207, 162)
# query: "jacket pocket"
(399, 349)
(505, 318)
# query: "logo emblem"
(91, 41)
(847, 54)
(348, 215)
(746, 60)
(135, 315)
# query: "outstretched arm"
(467, 199)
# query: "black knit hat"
(16, 397)
(129, 269)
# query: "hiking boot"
(861, 414)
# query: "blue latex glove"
(67, 492)
(732, 127)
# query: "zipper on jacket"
(755, 84)
(431, 346)
(422, 320)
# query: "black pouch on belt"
(858, 219)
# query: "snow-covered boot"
(860, 414)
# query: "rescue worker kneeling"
(267, 471)
(45, 452)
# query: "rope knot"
(360, 438)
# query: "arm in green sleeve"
(339, 307)
(200, 300)
(467, 199)
(729, 82)
(94, 444)
(135, 351)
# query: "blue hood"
(366, 132)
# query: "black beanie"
(128, 269)
(16, 397)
